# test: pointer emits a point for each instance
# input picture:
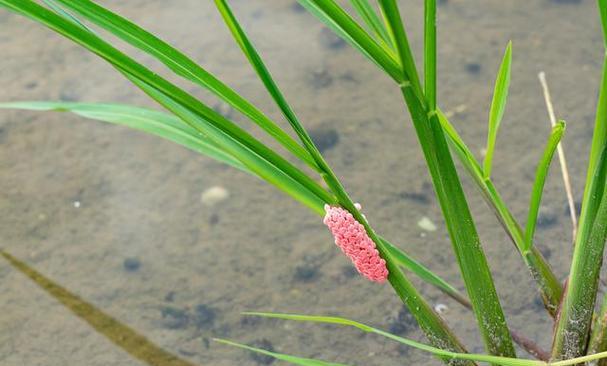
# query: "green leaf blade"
(153, 122)
(498, 105)
(540, 178)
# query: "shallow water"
(116, 217)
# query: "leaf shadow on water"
(118, 333)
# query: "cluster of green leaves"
(381, 37)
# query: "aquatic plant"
(580, 331)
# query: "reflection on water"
(119, 218)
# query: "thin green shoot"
(498, 105)
(540, 179)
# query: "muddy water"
(116, 217)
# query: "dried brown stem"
(562, 160)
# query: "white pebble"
(426, 224)
(441, 308)
(76, 204)
(214, 195)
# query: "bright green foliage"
(498, 105)
(540, 179)
(383, 40)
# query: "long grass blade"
(498, 105)
(575, 317)
(466, 243)
(465, 240)
(445, 355)
(147, 120)
(281, 356)
(540, 179)
(183, 66)
(123, 336)
(430, 53)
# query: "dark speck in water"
(170, 296)
(306, 273)
(31, 85)
(250, 321)
(349, 271)
(330, 40)
(204, 316)
(214, 219)
(546, 252)
(2, 134)
(402, 323)
(258, 357)
(174, 318)
(324, 138)
(566, 1)
(320, 79)
(131, 264)
(546, 219)
(417, 197)
(473, 68)
(442, 2)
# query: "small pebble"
(330, 40)
(131, 264)
(224, 109)
(261, 358)
(174, 318)
(441, 308)
(214, 195)
(76, 204)
(426, 224)
(324, 138)
(204, 316)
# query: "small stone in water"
(131, 264)
(440, 308)
(426, 224)
(214, 195)
(76, 204)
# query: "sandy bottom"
(116, 217)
